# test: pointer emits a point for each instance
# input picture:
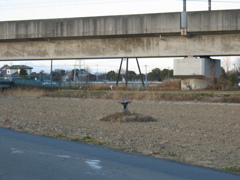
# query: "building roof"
(4, 67)
(19, 67)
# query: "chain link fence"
(44, 81)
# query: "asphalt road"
(31, 157)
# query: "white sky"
(47, 9)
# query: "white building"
(15, 69)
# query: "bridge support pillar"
(196, 72)
(127, 72)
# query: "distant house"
(14, 70)
(3, 70)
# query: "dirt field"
(205, 134)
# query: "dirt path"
(199, 133)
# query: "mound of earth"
(128, 117)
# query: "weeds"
(147, 93)
(86, 139)
(59, 136)
(127, 117)
(75, 139)
(171, 154)
(7, 119)
(19, 92)
(235, 169)
(90, 140)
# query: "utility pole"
(140, 72)
(105, 75)
(79, 73)
(119, 72)
(146, 73)
(74, 74)
(209, 5)
(51, 72)
(126, 72)
(168, 72)
(97, 73)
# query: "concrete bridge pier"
(196, 72)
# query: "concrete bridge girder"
(211, 33)
(200, 22)
(158, 46)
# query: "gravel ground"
(205, 134)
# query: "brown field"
(195, 132)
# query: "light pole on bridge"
(209, 5)
(185, 5)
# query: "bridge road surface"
(31, 157)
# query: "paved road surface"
(30, 157)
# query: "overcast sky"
(46, 9)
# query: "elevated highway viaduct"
(208, 33)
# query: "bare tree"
(237, 64)
(226, 63)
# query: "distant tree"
(233, 78)
(155, 75)
(223, 74)
(166, 73)
(132, 75)
(62, 72)
(57, 74)
(91, 77)
(138, 77)
(41, 73)
(111, 75)
(237, 65)
(23, 72)
(75, 73)
(82, 72)
(171, 73)
(226, 63)
(101, 77)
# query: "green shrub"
(235, 169)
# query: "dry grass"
(127, 117)
(203, 96)
(148, 93)
(101, 87)
(171, 85)
(19, 92)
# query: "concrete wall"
(195, 84)
(196, 73)
(189, 67)
(197, 67)
(215, 33)
(11, 71)
(166, 46)
(212, 68)
(208, 22)
(145, 24)
(203, 22)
